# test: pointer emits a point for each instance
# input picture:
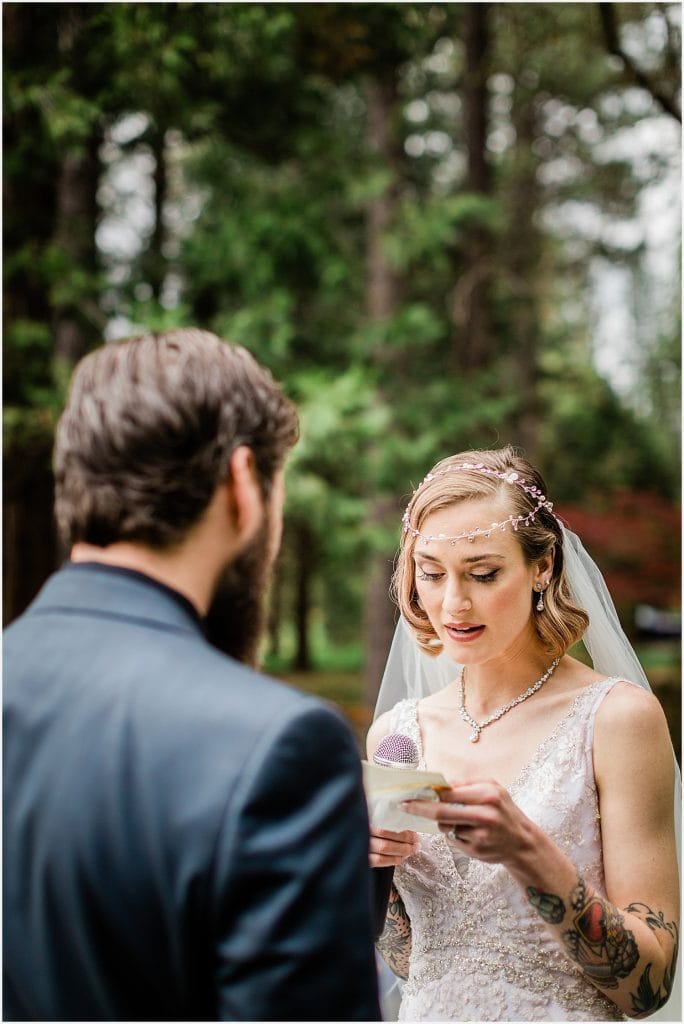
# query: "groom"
(184, 839)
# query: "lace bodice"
(480, 951)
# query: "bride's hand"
(481, 819)
(387, 849)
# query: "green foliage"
(261, 114)
(28, 362)
(152, 316)
(430, 228)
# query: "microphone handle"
(381, 882)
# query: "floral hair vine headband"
(478, 467)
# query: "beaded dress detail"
(479, 950)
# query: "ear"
(544, 568)
(246, 504)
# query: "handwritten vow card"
(387, 787)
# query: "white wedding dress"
(479, 950)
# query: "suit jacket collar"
(105, 590)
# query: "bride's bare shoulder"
(630, 705)
(626, 706)
(378, 730)
(624, 692)
(576, 675)
(441, 700)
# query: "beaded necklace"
(477, 727)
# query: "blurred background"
(441, 226)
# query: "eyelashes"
(433, 577)
(487, 577)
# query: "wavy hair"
(562, 623)
(148, 430)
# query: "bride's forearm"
(394, 945)
(629, 954)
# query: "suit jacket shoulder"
(179, 814)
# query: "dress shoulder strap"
(590, 701)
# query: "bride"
(551, 891)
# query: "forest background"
(441, 226)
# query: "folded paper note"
(386, 788)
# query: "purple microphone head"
(397, 751)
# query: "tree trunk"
(473, 347)
(523, 252)
(79, 323)
(29, 205)
(154, 260)
(476, 97)
(29, 536)
(632, 71)
(382, 302)
(304, 564)
(51, 202)
(275, 609)
(380, 614)
(382, 295)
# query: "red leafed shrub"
(634, 537)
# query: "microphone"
(397, 751)
(394, 751)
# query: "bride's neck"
(489, 686)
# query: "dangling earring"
(540, 603)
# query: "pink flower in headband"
(515, 521)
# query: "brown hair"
(148, 430)
(562, 623)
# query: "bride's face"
(477, 595)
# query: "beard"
(235, 621)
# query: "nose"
(456, 599)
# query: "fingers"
(480, 818)
(447, 814)
(484, 791)
(387, 849)
(465, 803)
(457, 833)
(407, 836)
(377, 860)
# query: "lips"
(464, 632)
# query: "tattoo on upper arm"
(395, 942)
(650, 997)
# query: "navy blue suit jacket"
(184, 838)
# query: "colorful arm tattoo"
(606, 950)
(549, 907)
(394, 945)
(650, 998)
(598, 940)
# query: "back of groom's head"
(148, 430)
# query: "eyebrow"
(473, 558)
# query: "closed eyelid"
(423, 556)
(429, 568)
(496, 562)
(491, 556)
